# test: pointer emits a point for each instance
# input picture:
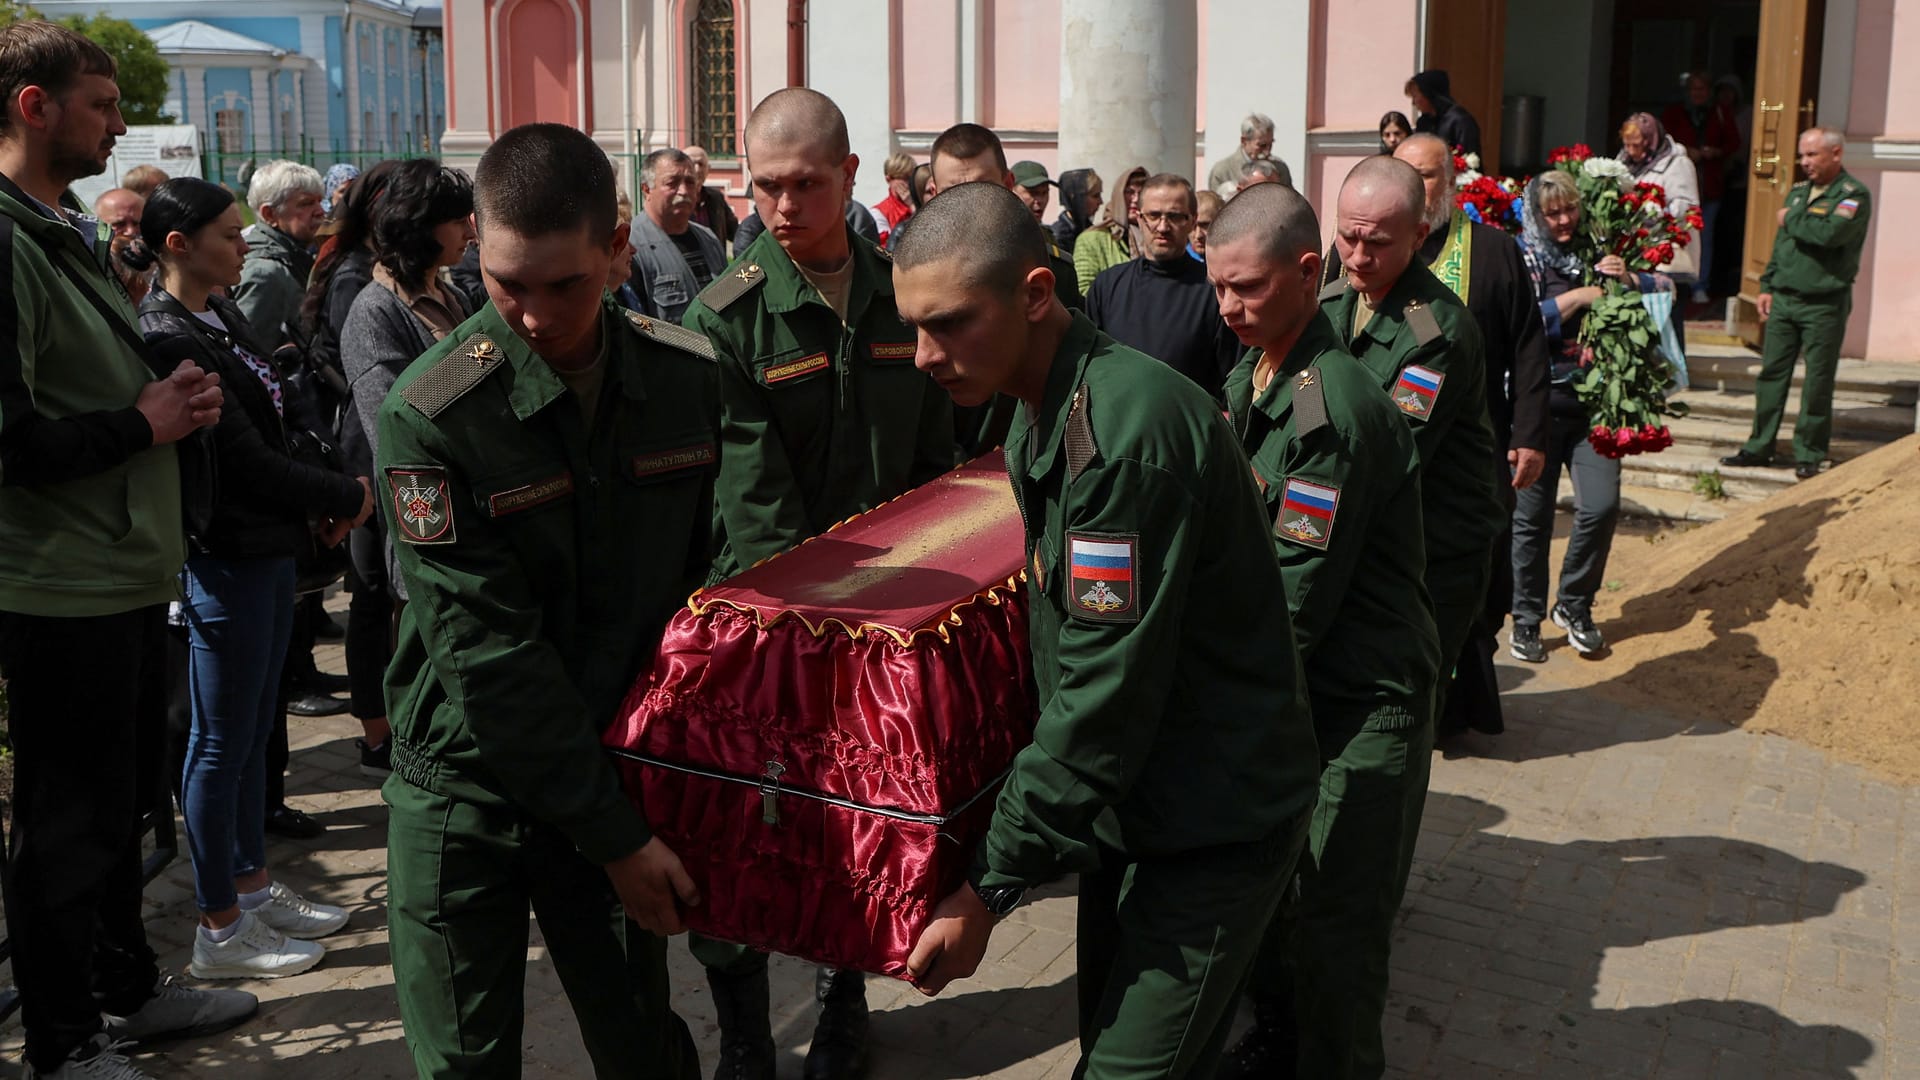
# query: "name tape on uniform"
(666, 461)
(528, 496)
(793, 369)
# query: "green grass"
(1709, 485)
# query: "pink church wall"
(1363, 53)
(539, 53)
(1022, 76)
(1886, 310)
(928, 84)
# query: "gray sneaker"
(1524, 642)
(176, 1012)
(1585, 636)
(97, 1059)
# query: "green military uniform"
(1173, 762)
(1426, 351)
(1340, 476)
(1816, 256)
(822, 420)
(543, 557)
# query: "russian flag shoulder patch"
(1417, 389)
(1100, 583)
(1306, 513)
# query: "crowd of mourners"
(195, 389)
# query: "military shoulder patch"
(1100, 582)
(672, 334)
(422, 503)
(1417, 390)
(1847, 208)
(1309, 403)
(1080, 446)
(1334, 289)
(453, 375)
(1426, 328)
(734, 283)
(1306, 513)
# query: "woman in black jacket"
(239, 589)
(344, 269)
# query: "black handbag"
(316, 567)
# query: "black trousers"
(369, 622)
(86, 701)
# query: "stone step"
(1656, 504)
(1855, 414)
(1723, 434)
(1679, 467)
(1734, 367)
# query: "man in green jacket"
(825, 417)
(1425, 350)
(548, 472)
(1173, 761)
(1340, 476)
(1806, 295)
(92, 540)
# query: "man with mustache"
(674, 257)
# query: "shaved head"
(1275, 218)
(1389, 183)
(797, 116)
(1432, 158)
(981, 232)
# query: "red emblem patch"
(422, 504)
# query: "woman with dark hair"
(1116, 237)
(344, 269)
(239, 589)
(1394, 128)
(421, 225)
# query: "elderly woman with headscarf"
(1565, 288)
(1652, 157)
(1116, 238)
(334, 185)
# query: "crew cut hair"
(981, 231)
(798, 114)
(34, 52)
(539, 179)
(1277, 219)
(1388, 174)
(964, 142)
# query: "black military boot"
(839, 1050)
(746, 1030)
(1270, 1051)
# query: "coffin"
(821, 737)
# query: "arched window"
(715, 119)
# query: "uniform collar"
(1389, 318)
(535, 385)
(1315, 340)
(1048, 423)
(788, 290)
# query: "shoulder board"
(1309, 403)
(449, 379)
(1804, 183)
(1334, 289)
(672, 334)
(885, 255)
(1420, 319)
(732, 285)
(1081, 448)
(1848, 187)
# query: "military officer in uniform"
(824, 416)
(1419, 341)
(1173, 761)
(1806, 296)
(1337, 467)
(548, 472)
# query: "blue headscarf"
(336, 176)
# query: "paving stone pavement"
(1596, 894)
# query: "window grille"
(715, 119)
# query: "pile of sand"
(1799, 615)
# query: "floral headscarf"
(339, 174)
(1658, 145)
(1537, 238)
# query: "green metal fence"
(226, 168)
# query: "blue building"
(322, 80)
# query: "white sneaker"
(297, 917)
(97, 1059)
(255, 951)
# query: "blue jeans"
(239, 617)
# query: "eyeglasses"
(1155, 217)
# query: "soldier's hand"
(1764, 302)
(1527, 465)
(953, 943)
(652, 883)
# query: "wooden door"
(1786, 78)
(1468, 40)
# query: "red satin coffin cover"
(884, 664)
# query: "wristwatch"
(999, 900)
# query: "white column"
(846, 41)
(1127, 83)
(969, 87)
(470, 75)
(296, 76)
(261, 112)
(1258, 61)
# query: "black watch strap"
(999, 900)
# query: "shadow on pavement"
(1497, 961)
